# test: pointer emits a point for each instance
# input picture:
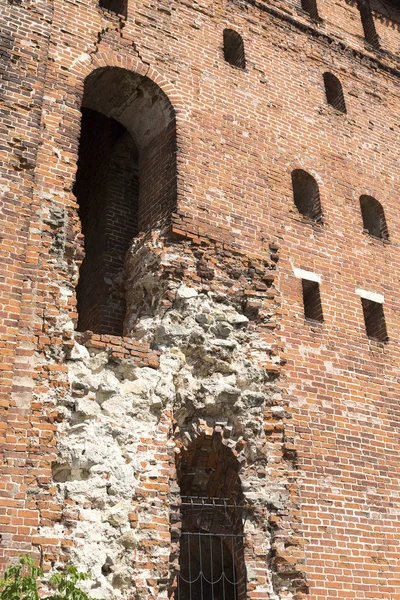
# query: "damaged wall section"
(209, 316)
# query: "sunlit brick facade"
(199, 296)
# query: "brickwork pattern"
(328, 481)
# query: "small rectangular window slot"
(312, 301)
(374, 318)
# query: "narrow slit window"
(374, 319)
(368, 23)
(119, 7)
(234, 49)
(312, 301)
(334, 92)
(310, 7)
(373, 216)
(306, 195)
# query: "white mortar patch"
(373, 296)
(307, 275)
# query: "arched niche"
(311, 8)
(125, 184)
(234, 52)
(306, 194)
(334, 92)
(373, 216)
(368, 23)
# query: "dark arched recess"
(125, 184)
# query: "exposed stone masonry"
(200, 307)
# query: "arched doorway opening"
(211, 559)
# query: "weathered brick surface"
(230, 230)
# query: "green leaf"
(20, 582)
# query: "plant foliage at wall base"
(20, 582)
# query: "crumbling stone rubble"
(123, 425)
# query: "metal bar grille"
(211, 550)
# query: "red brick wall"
(240, 134)
(24, 50)
(157, 179)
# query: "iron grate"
(211, 549)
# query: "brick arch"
(368, 190)
(308, 167)
(232, 24)
(108, 59)
(185, 437)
